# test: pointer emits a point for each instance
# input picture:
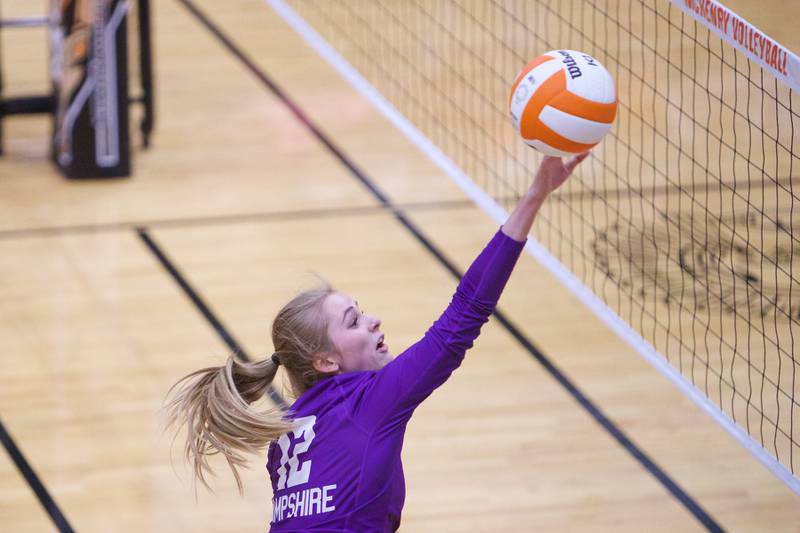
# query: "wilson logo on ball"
(563, 102)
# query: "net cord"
(534, 248)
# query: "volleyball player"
(334, 457)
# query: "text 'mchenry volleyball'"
(563, 103)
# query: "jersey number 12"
(298, 472)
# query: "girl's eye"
(355, 320)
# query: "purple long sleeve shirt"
(340, 469)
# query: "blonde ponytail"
(214, 405)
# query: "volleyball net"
(682, 223)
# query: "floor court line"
(593, 410)
(216, 220)
(50, 231)
(35, 483)
(223, 332)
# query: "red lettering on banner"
(750, 39)
(720, 18)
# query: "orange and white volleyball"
(563, 103)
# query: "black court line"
(218, 220)
(58, 518)
(294, 214)
(204, 309)
(637, 453)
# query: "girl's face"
(356, 337)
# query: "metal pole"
(24, 22)
(146, 70)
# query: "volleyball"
(563, 103)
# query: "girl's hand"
(553, 172)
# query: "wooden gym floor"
(246, 204)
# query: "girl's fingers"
(574, 161)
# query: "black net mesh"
(684, 219)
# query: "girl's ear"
(326, 363)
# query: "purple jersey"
(340, 469)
